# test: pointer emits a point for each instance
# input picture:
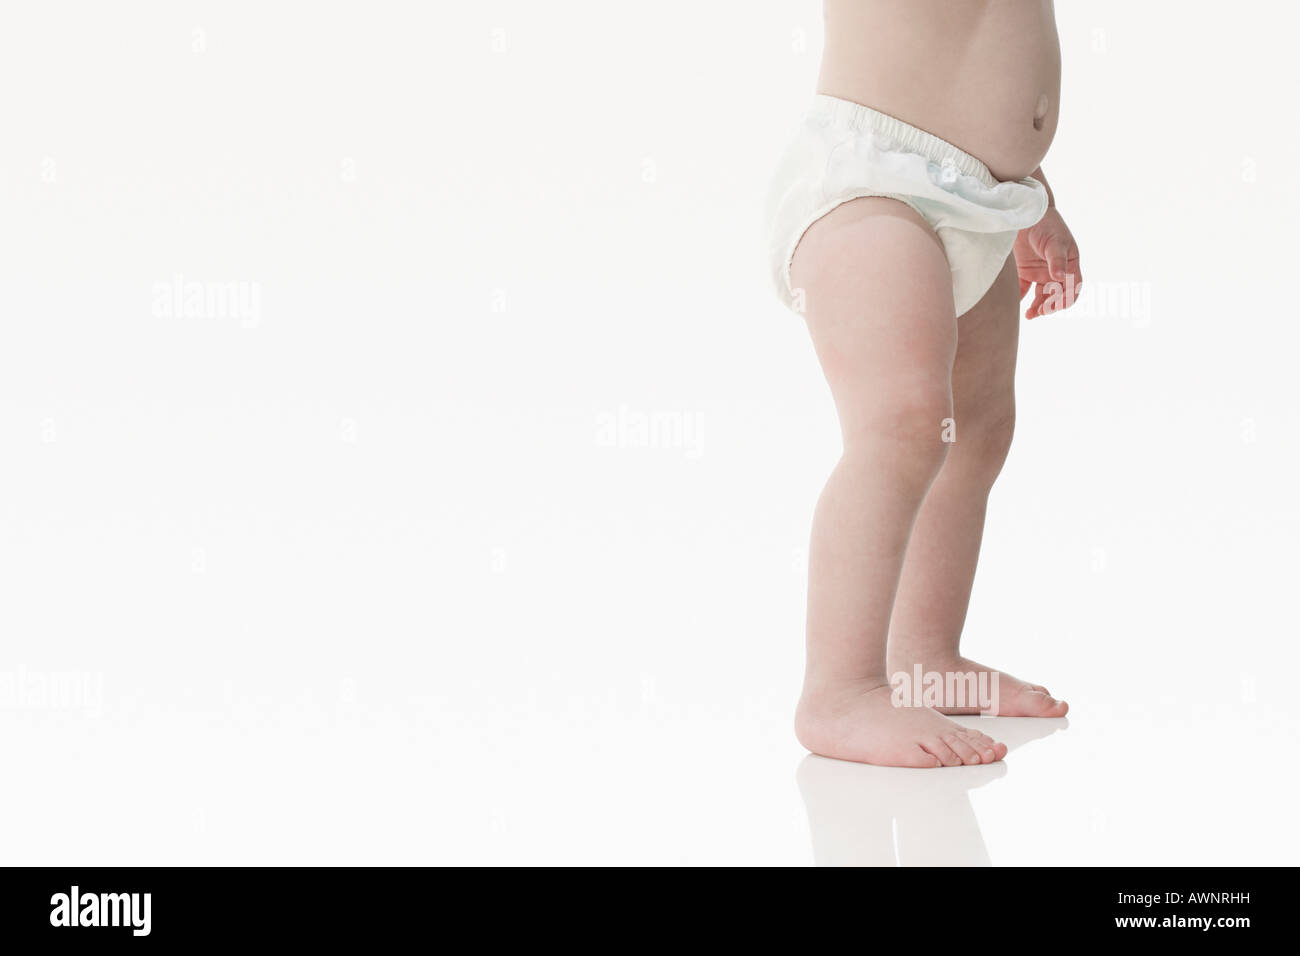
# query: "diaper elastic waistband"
(904, 137)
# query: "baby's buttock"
(985, 75)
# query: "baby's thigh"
(984, 372)
(877, 295)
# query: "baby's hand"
(1047, 255)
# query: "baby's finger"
(1033, 271)
(1058, 253)
(1036, 306)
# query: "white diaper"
(844, 151)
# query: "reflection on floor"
(891, 816)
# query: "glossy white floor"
(557, 770)
(474, 534)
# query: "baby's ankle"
(830, 682)
(822, 693)
(904, 655)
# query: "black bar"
(334, 906)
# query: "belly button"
(1040, 110)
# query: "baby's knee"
(982, 446)
(912, 431)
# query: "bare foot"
(1015, 697)
(853, 721)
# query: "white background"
(384, 570)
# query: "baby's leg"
(879, 308)
(934, 591)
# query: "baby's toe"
(962, 748)
(1040, 704)
(983, 744)
(941, 750)
(920, 757)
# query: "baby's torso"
(985, 75)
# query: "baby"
(908, 219)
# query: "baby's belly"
(985, 75)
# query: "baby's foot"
(850, 721)
(1015, 697)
